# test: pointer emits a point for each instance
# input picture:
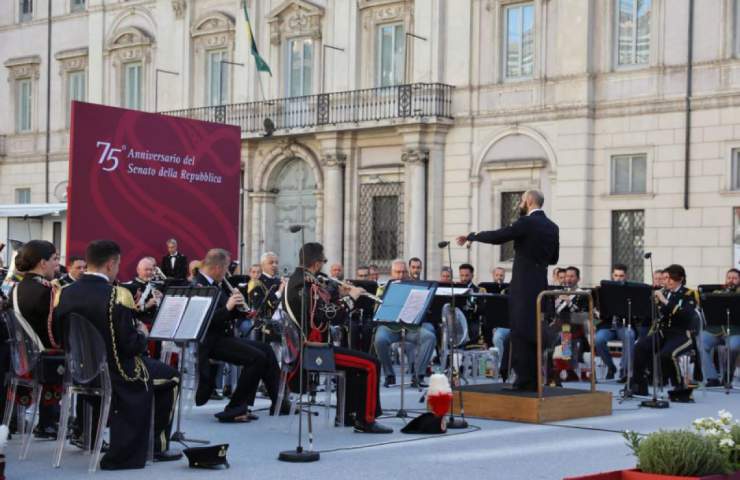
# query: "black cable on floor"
(471, 429)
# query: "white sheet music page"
(193, 318)
(168, 317)
(413, 306)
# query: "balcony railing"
(416, 100)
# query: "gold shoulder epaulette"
(58, 294)
(124, 297)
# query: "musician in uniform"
(34, 307)
(536, 245)
(445, 275)
(415, 268)
(717, 335)
(420, 342)
(566, 309)
(499, 275)
(362, 370)
(174, 264)
(145, 294)
(466, 274)
(257, 359)
(75, 268)
(264, 292)
(672, 333)
(135, 379)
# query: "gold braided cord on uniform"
(140, 371)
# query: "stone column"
(414, 197)
(333, 205)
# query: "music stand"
(405, 308)
(184, 317)
(495, 308)
(493, 287)
(626, 300)
(723, 309)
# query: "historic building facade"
(394, 124)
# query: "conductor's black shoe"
(610, 373)
(713, 382)
(389, 380)
(48, 433)
(681, 395)
(167, 456)
(375, 427)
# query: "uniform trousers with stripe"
(669, 345)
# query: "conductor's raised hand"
(461, 240)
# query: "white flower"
(725, 415)
(726, 442)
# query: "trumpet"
(325, 279)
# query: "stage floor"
(490, 449)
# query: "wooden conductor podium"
(548, 404)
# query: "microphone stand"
(299, 455)
(654, 402)
(453, 422)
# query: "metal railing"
(414, 100)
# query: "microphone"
(443, 244)
(648, 255)
(295, 228)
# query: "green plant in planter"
(679, 453)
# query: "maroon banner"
(140, 178)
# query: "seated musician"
(565, 307)
(470, 309)
(445, 275)
(373, 273)
(257, 359)
(255, 271)
(193, 268)
(75, 268)
(146, 296)
(336, 271)
(361, 369)
(672, 334)
(423, 339)
(717, 335)
(363, 273)
(415, 268)
(136, 379)
(264, 292)
(610, 329)
(35, 296)
(499, 275)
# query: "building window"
(509, 214)
(736, 29)
(77, 5)
(633, 31)
(76, 90)
(25, 13)
(23, 105)
(132, 86)
(391, 55)
(629, 174)
(519, 41)
(216, 82)
(300, 67)
(22, 195)
(381, 224)
(628, 240)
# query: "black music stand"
(496, 315)
(365, 306)
(723, 309)
(183, 318)
(392, 313)
(626, 301)
(493, 287)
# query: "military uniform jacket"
(34, 302)
(137, 287)
(322, 307)
(222, 321)
(536, 245)
(679, 314)
(111, 310)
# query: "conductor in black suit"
(174, 264)
(536, 245)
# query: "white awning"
(32, 209)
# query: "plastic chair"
(87, 374)
(25, 356)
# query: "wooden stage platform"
(494, 401)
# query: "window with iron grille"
(628, 241)
(381, 224)
(509, 214)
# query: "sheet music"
(447, 291)
(413, 306)
(168, 317)
(193, 318)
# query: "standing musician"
(135, 379)
(75, 268)
(672, 333)
(362, 370)
(257, 359)
(33, 302)
(174, 264)
(536, 245)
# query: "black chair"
(87, 374)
